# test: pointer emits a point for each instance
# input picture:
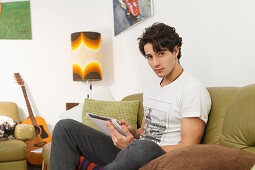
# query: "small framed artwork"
(15, 19)
(127, 13)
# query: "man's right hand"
(119, 140)
(130, 128)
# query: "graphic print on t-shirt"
(156, 115)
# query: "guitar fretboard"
(30, 112)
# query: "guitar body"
(41, 138)
(42, 132)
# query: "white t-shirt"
(164, 107)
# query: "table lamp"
(86, 57)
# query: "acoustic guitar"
(42, 135)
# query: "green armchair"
(13, 151)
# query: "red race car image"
(132, 6)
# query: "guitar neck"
(31, 115)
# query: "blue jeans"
(72, 139)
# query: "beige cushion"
(24, 132)
(12, 150)
(120, 110)
(204, 156)
(9, 109)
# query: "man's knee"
(146, 149)
(63, 124)
(140, 152)
(145, 145)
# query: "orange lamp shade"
(86, 56)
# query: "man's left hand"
(118, 139)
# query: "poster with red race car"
(130, 12)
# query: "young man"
(176, 111)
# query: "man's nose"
(156, 62)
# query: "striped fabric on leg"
(87, 165)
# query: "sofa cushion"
(12, 150)
(221, 97)
(203, 156)
(120, 110)
(138, 96)
(238, 129)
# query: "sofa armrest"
(24, 132)
(46, 153)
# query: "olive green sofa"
(13, 151)
(231, 122)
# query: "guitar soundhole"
(37, 130)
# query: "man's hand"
(130, 128)
(119, 140)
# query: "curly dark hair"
(160, 36)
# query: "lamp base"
(89, 89)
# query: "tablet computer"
(99, 122)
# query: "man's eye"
(160, 54)
(148, 57)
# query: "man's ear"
(176, 50)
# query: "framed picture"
(15, 19)
(130, 12)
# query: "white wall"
(218, 42)
(45, 61)
(218, 39)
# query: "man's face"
(162, 62)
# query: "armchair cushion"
(12, 150)
(14, 165)
(9, 109)
(24, 132)
(203, 156)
